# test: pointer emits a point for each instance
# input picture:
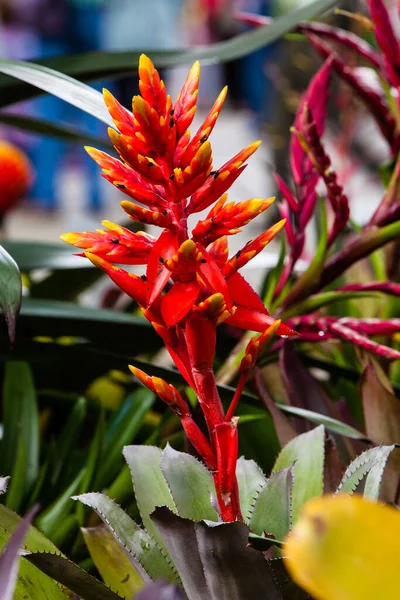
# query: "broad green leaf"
(111, 561)
(10, 291)
(70, 575)
(346, 547)
(113, 64)
(35, 541)
(9, 558)
(47, 128)
(371, 462)
(121, 432)
(20, 421)
(306, 451)
(272, 512)
(31, 583)
(142, 549)
(250, 480)
(149, 484)
(190, 484)
(42, 255)
(65, 284)
(328, 422)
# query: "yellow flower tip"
(93, 152)
(108, 97)
(187, 248)
(112, 226)
(113, 135)
(146, 64)
(96, 260)
(70, 238)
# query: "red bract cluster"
(191, 285)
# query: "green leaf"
(317, 301)
(149, 484)
(250, 481)
(31, 583)
(142, 549)
(10, 291)
(47, 128)
(20, 421)
(111, 561)
(16, 491)
(92, 463)
(35, 541)
(328, 422)
(371, 462)
(272, 512)
(306, 451)
(65, 284)
(71, 90)
(66, 441)
(123, 431)
(35, 255)
(49, 520)
(66, 572)
(190, 484)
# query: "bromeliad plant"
(190, 285)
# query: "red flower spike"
(219, 251)
(118, 245)
(227, 219)
(363, 342)
(185, 106)
(157, 273)
(204, 132)
(178, 301)
(226, 444)
(129, 283)
(252, 248)
(122, 118)
(286, 193)
(151, 86)
(386, 38)
(143, 215)
(160, 168)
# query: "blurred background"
(65, 189)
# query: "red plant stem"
(236, 397)
(229, 512)
(199, 442)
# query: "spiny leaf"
(10, 291)
(140, 547)
(272, 512)
(250, 480)
(306, 451)
(190, 483)
(371, 461)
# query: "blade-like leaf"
(382, 422)
(9, 559)
(149, 484)
(331, 424)
(121, 432)
(371, 462)
(89, 67)
(10, 291)
(272, 512)
(67, 439)
(250, 481)
(111, 561)
(20, 420)
(39, 255)
(141, 548)
(68, 573)
(306, 451)
(35, 541)
(190, 483)
(67, 134)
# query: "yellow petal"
(346, 548)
